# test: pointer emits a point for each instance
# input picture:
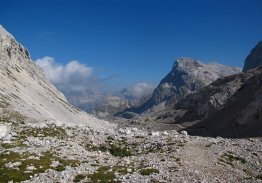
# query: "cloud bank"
(71, 74)
(83, 87)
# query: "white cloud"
(141, 89)
(138, 90)
(59, 74)
(83, 88)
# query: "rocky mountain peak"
(11, 50)
(254, 59)
(4, 35)
(186, 62)
(187, 75)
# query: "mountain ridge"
(187, 75)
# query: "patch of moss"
(103, 174)
(91, 147)
(12, 117)
(148, 171)
(44, 132)
(60, 168)
(122, 170)
(229, 158)
(41, 165)
(79, 177)
(181, 145)
(110, 138)
(259, 177)
(18, 175)
(13, 144)
(119, 151)
(115, 150)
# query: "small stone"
(30, 168)
(155, 134)
(184, 133)
(165, 133)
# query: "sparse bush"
(148, 171)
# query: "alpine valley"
(203, 123)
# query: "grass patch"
(79, 177)
(13, 144)
(120, 151)
(44, 132)
(12, 117)
(91, 147)
(229, 158)
(20, 173)
(148, 171)
(103, 174)
(115, 150)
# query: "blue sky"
(135, 41)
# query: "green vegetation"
(110, 138)
(103, 174)
(21, 173)
(12, 117)
(13, 144)
(229, 158)
(57, 132)
(91, 147)
(148, 171)
(115, 150)
(119, 151)
(79, 177)
(106, 174)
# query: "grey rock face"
(241, 114)
(254, 59)
(187, 76)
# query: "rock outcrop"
(187, 76)
(254, 59)
(241, 114)
(228, 107)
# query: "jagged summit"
(11, 50)
(254, 59)
(4, 34)
(187, 75)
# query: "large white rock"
(3, 131)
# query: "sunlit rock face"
(187, 76)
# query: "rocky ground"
(46, 152)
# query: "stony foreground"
(53, 153)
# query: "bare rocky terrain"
(45, 139)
